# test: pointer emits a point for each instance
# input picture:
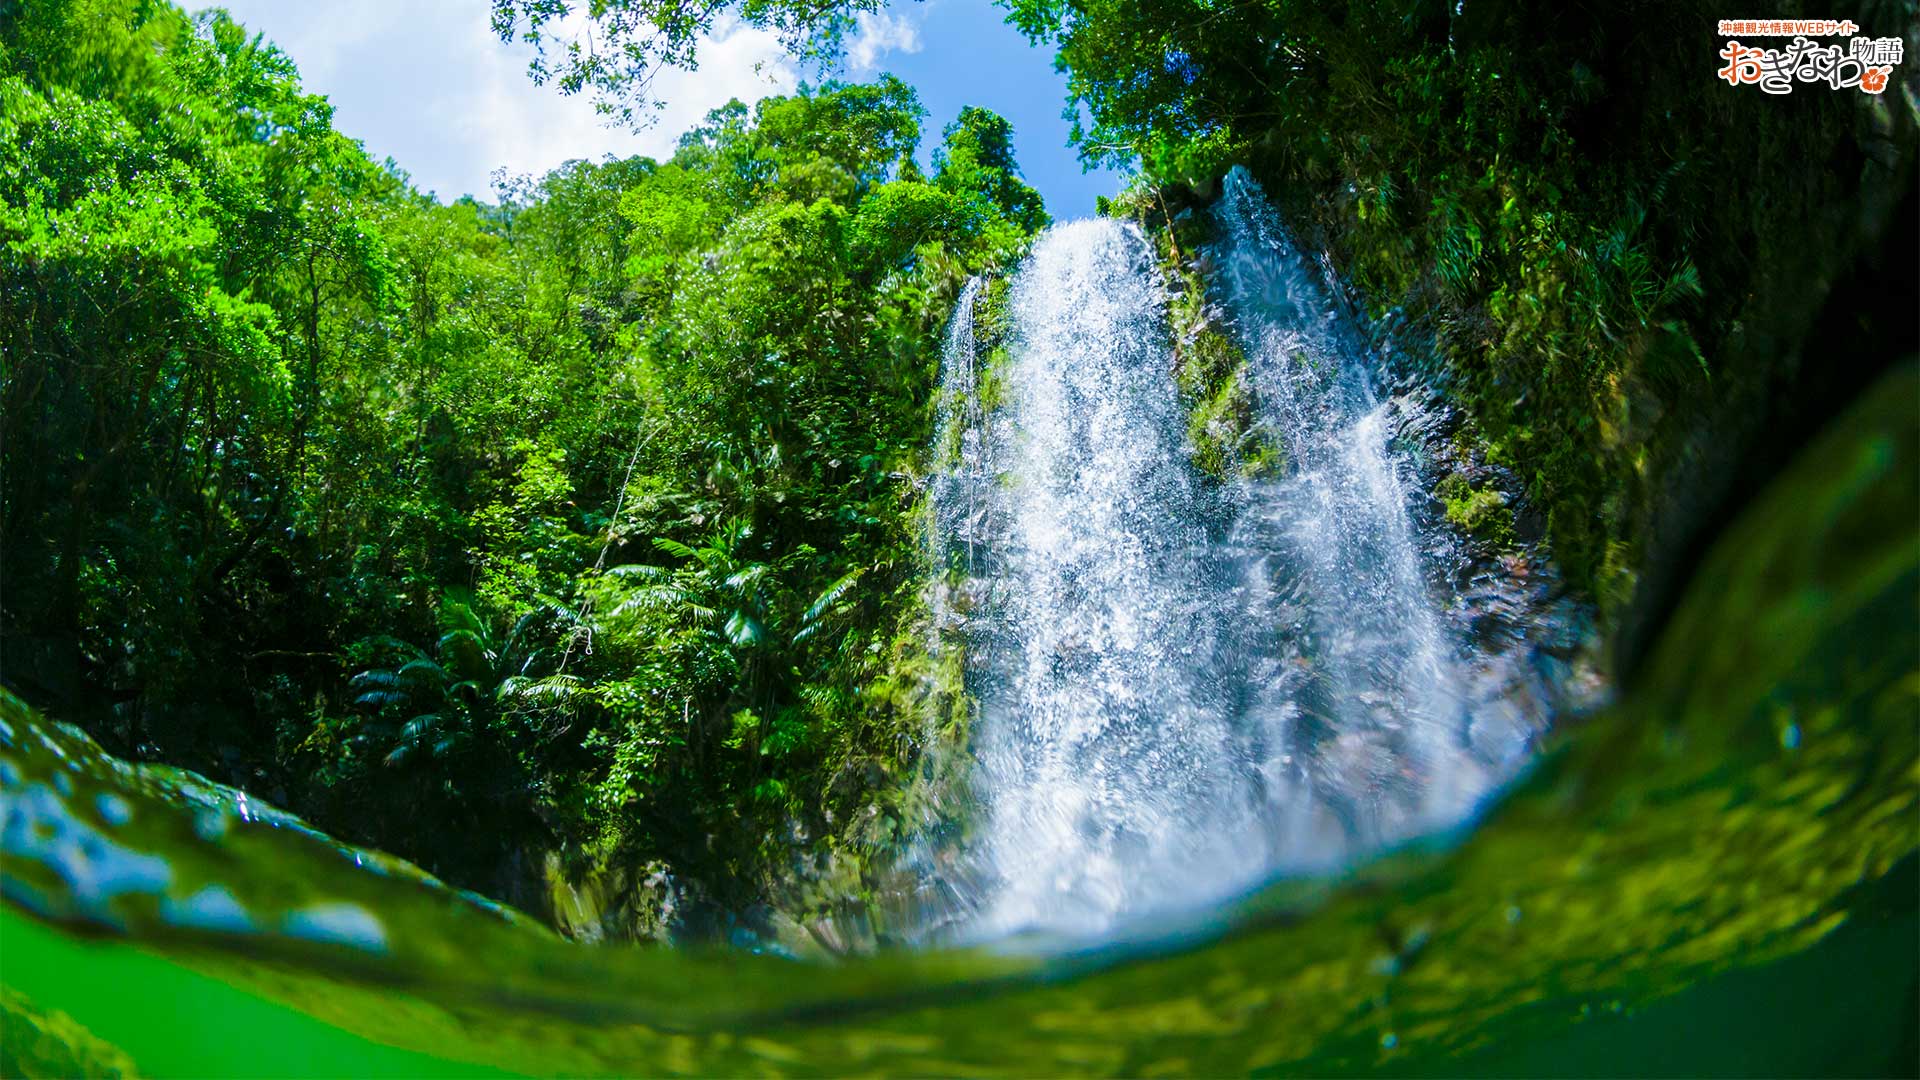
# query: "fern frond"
(675, 548)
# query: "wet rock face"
(1483, 543)
(1410, 627)
(1538, 643)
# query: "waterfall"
(1372, 709)
(1097, 595)
(1185, 686)
(966, 474)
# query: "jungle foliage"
(585, 520)
(1612, 257)
(582, 520)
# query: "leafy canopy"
(579, 521)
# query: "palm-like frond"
(421, 672)
(747, 577)
(380, 688)
(675, 548)
(380, 699)
(832, 595)
(698, 613)
(828, 602)
(642, 571)
(459, 615)
(744, 630)
(472, 674)
(471, 653)
(553, 690)
(380, 678)
(412, 735)
(668, 597)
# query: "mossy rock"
(991, 388)
(1226, 436)
(34, 1043)
(992, 321)
(1480, 512)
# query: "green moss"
(909, 780)
(992, 336)
(992, 321)
(1223, 428)
(946, 455)
(1211, 370)
(1219, 418)
(991, 388)
(1481, 512)
(992, 333)
(1572, 260)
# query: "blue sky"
(969, 56)
(426, 83)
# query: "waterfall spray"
(1185, 686)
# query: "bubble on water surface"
(338, 924)
(112, 809)
(211, 908)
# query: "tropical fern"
(473, 677)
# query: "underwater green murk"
(1752, 799)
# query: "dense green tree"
(576, 521)
(977, 156)
(616, 48)
(1606, 251)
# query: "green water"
(173, 1021)
(1715, 877)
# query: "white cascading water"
(1104, 748)
(1184, 687)
(1372, 704)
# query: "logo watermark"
(1863, 62)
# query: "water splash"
(1096, 619)
(1185, 687)
(966, 472)
(1375, 711)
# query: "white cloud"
(427, 83)
(875, 35)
